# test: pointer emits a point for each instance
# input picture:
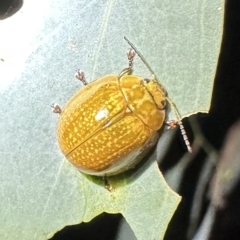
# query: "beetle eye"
(164, 103)
(146, 80)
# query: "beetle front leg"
(130, 55)
(81, 76)
(171, 124)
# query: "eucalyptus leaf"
(40, 48)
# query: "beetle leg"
(171, 124)
(56, 108)
(125, 71)
(81, 76)
(107, 185)
(130, 55)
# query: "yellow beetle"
(111, 123)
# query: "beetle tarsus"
(172, 124)
(130, 55)
(81, 76)
(56, 108)
(107, 185)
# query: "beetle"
(110, 124)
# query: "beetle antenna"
(140, 55)
(179, 122)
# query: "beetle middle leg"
(81, 76)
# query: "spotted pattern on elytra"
(79, 122)
(111, 144)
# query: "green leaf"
(40, 192)
(142, 197)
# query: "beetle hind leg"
(107, 185)
(81, 76)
